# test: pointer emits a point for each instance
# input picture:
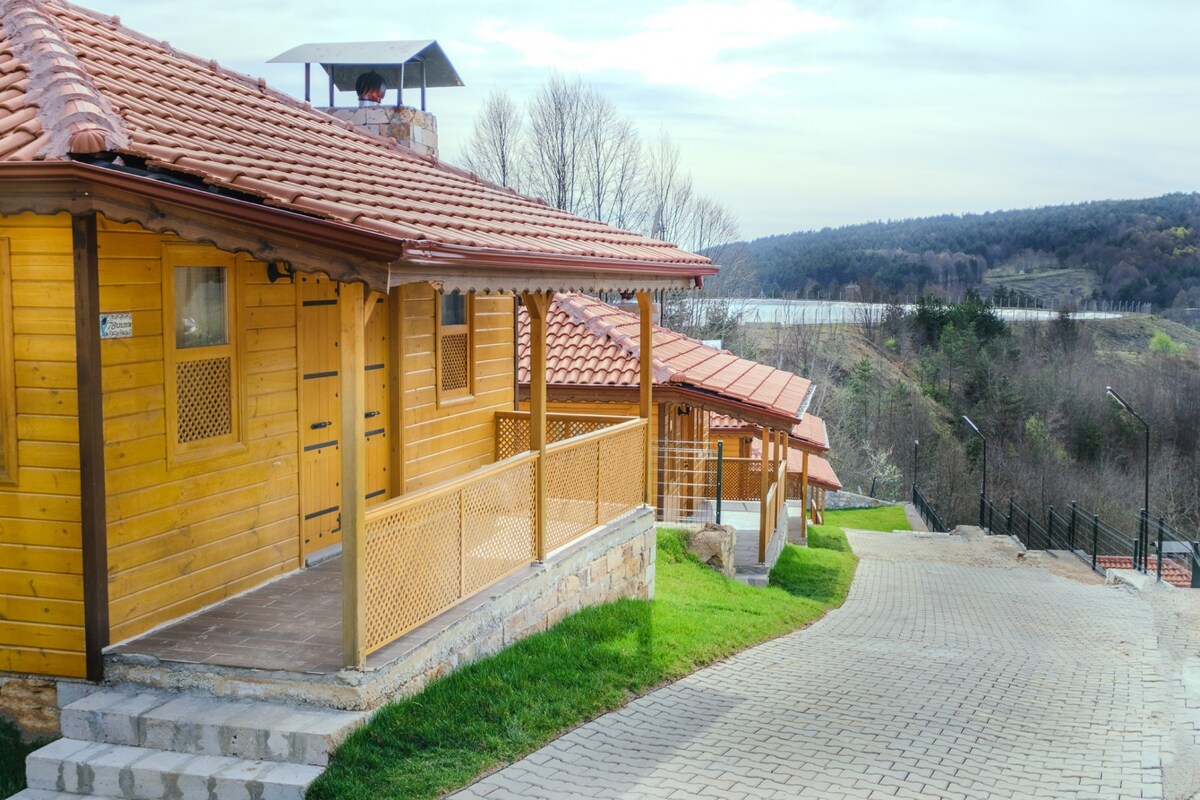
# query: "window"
(202, 368)
(8, 389)
(454, 362)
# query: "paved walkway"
(956, 669)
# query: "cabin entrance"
(318, 326)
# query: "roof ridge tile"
(72, 110)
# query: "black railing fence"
(1155, 548)
(932, 520)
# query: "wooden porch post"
(646, 382)
(354, 474)
(781, 492)
(538, 306)
(92, 491)
(765, 487)
(804, 494)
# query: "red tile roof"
(591, 343)
(75, 83)
(809, 432)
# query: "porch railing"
(427, 550)
(512, 429)
(593, 478)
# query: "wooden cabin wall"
(187, 533)
(41, 583)
(443, 441)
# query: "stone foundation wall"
(610, 563)
(30, 703)
(837, 501)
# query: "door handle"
(316, 426)
(370, 414)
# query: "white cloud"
(703, 44)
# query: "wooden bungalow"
(595, 357)
(236, 332)
(810, 476)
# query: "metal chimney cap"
(345, 61)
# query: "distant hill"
(1119, 250)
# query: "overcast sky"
(799, 115)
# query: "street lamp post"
(1144, 532)
(983, 486)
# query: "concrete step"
(755, 579)
(209, 726)
(97, 769)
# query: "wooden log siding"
(192, 533)
(41, 583)
(443, 442)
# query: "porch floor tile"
(294, 624)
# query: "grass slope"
(12, 758)
(884, 518)
(503, 707)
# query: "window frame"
(8, 375)
(467, 392)
(185, 255)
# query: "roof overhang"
(345, 252)
(702, 400)
(466, 268)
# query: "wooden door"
(320, 413)
(320, 410)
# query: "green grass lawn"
(496, 710)
(884, 518)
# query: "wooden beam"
(646, 382)
(354, 475)
(804, 494)
(781, 490)
(763, 511)
(396, 396)
(92, 492)
(373, 300)
(538, 306)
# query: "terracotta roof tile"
(581, 330)
(809, 432)
(64, 69)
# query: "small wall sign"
(116, 325)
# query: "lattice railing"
(592, 479)
(741, 478)
(428, 550)
(512, 429)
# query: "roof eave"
(483, 269)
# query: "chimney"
(378, 73)
(629, 304)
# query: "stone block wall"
(838, 501)
(30, 703)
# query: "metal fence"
(1155, 548)
(932, 520)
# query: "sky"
(800, 115)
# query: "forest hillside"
(1036, 391)
(1143, 251)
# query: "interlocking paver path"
(954, 670)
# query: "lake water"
(823, 312)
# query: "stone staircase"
(153, 745)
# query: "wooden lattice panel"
(412, 566)
(572, 476)
(456, 369)
(498, 526)
(622, 482)
(424, 554)
(512, 436)
(204, 393)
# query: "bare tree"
(627, 206)
(556, 125)
(669, 193)
(494, 151)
